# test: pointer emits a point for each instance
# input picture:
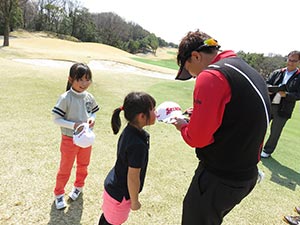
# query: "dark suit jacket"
(288, 103)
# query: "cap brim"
(183, 74)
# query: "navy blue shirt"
(133, 151)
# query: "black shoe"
(293, 220)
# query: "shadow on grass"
(68, 216)
(281, 174)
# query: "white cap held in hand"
(83, 136)
(167, 112)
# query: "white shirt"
(287, 76)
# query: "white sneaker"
(74, 194)
(260, 176)
(265, 155)
(60, 202)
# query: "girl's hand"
(91, 122)
(76, 125)
(135, 205)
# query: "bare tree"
(6, 8)
(29, 10)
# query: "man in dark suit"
(284, 90)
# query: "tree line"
(264, 64)
(69, 20)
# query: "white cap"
(83, 136)
(167, 112)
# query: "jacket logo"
(197, 101)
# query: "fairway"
(29, 140)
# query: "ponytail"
(115, 120)
(134, 103)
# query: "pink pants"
(69, 152)
(115, 212)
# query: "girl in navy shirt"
(125, 180)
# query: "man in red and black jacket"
(284, 90)
(227, 126)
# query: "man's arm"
(212, 93)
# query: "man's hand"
(179, 122)
(188, 111)
(282, 94)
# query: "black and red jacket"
(228, 129)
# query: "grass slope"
(29, 143)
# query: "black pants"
(102, 221)
(210, 198)
(277, 126)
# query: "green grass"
(29, 159)
(171, 53)
(168, 63)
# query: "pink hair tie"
(121, 108)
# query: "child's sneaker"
(74, 194)
(60, 202)
(293, 220)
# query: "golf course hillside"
(34, 71)
(47, 46)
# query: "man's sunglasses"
(208, 43)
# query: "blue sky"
(256, 26)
